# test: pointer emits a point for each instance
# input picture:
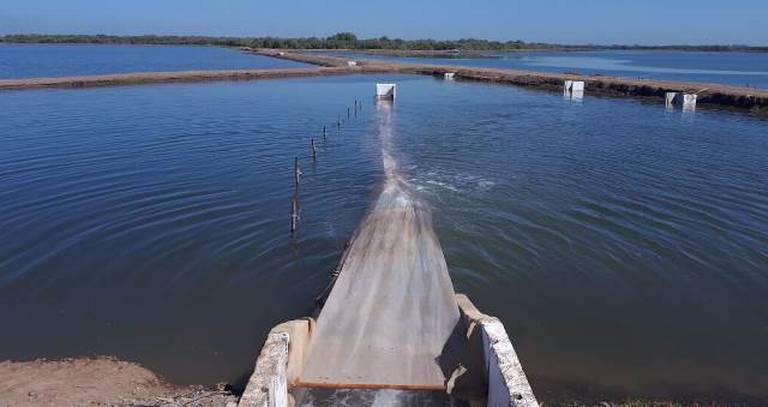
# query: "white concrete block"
(689, 101)
(573, 89)
(670, 99)
(386, 90)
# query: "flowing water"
(392, 310)
(730, 68)
(625, 247)
(49, 60)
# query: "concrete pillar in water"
(573, 90)
(386, 91)
(689, 101)
(670, 99)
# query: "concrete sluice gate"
(392, 331)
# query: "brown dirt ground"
(101, 381)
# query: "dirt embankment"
(99, 381)
(164, 77)
(715, 95)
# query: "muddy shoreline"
(100, 381)
(107, 381)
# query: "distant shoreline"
(754, 101)
(350, 42)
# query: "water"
(730, 68)
(47, 60)
(624, 247)
(373, 398)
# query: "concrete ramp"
(391, 313)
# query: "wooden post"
(325, 133)
(347, 113)
(314, 149)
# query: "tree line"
(345, 40)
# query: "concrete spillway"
(392, 310)
(391, 331)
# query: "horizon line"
(242, 37)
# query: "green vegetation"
(345, 41)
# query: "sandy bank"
(98, 381)
(142, 78)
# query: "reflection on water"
(625, 248)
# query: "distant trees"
(342, 40)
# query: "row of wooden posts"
(295, 207)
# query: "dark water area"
(54, 60)
(730, 68)
(624, 247)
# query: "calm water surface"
(624, 247)
(731, 68)
(49, 60)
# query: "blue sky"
(562, 21)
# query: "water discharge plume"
(391, 312)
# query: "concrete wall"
(278, 365)
(491, 374)
(506, 380)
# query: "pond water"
(624, 247)
(730, 68)
(49, 60)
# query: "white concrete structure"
(689, 101)
(386, 90)
(670, 99)
(490, 372)
(449, 76)
(351, 63)
(573, 89)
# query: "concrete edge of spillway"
(709, 95)
(491, 369)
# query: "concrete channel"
(391, 330)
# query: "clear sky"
(561, 21)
